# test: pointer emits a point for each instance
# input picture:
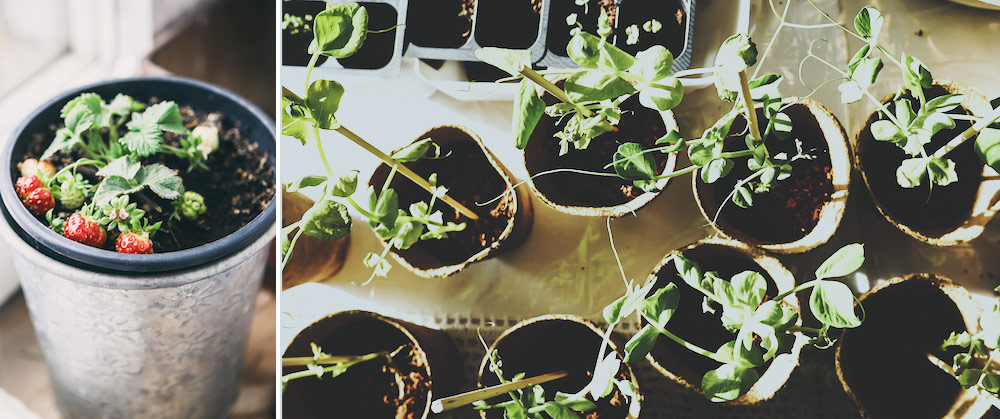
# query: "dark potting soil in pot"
(558, 35)
(508, 23)
(691, 322)
(948, 206)
(439, 23)
(238, 185)
(791, 209)
(639, 124)
(884, 360)
(378, 47)
(295, 47)
(553, 345)
(470, 178)
(370, 389)
(670, 14)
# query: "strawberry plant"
(762, 327)
(101, 189)
(910, 119)
(339, 31)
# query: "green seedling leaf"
(326, 220)
(990, 323)
(344, 185)
(652, 26)
(910, 172)
(640, 344)
(627, 304)
(305, 182)
(584, 49)
(530, 109)
(340, 30)
(991, 382)
(387, 207)
(505, 59)
(407, 234)
(631, 163)
(850, 92)
(749, 288)
(862, 53)
(604, 378)
(843, 262)
(868, 23)
(885, 130)
(662, 95)
(988, 147)
(916, 77)
(963, 340)
(728, 382)
(942, 171)
(123, 105)
(716, 169)
(701, 154)
(673, 137)
(725, 352)
(660, 306)
(832, 303)
(781, 125)
(653, 64)
(414, 152)
(323, 100)
(295, 120)
(146, 129)
(632, 33)
(595, 86)
(765, 87)
(688, 270)
(111, 187)
(736, 54)
(379, 264)
(969, 378)
(743, 198)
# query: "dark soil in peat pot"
(378, 48)
(439, 23)
(558, 35)
(948, 206)
(470, 178)
(884, 361)
(295, 47)
(670, 14)
(638, 125)
(508, 23)
(556, 345)
(791, 209)
(370, 389)
(237, 187)
(691, 322)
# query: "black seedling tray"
(373, 59)
(482, 30)
(555, 50)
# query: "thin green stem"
(683, 171)
(806, 330)
(84, 162)
(803, 286)
(312, 63)
(690, 346)
(737, 154)
(322, 154)
(763, 57)
(362, 211)
(547, 172)
(836, 22)
(291, 247)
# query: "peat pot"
(154, 336)
(883, 363)
(691, 323)
(952, 214)
(800, 212)
(559, 342)
(472, 175)
(428, 367)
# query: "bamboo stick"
(448, 403)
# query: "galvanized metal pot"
(150, 336)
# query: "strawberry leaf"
(113, 186)
(122, 167)
(146, 129)
(161, 180)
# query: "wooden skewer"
(947, 368)
(388, 160)
(533, 75)
(448, 403)
(750, 108)
(301, 361)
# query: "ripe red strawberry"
(39, 201)
(134, 243)
(26, 184)
(81, 228)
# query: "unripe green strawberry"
(190, 204)
(70, 195)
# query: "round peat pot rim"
(780, 368)
(518, 203)
(669, 123)
(968, 405)
(58, 248)
(982, 212)
(635, 405)
(356, 315)
(832, 211)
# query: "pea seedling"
(763, 327)
(321, 365)
(974, 368)
(898, 123)
(339, 32)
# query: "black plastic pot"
(199, 95)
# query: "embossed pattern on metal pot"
(167, 352)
